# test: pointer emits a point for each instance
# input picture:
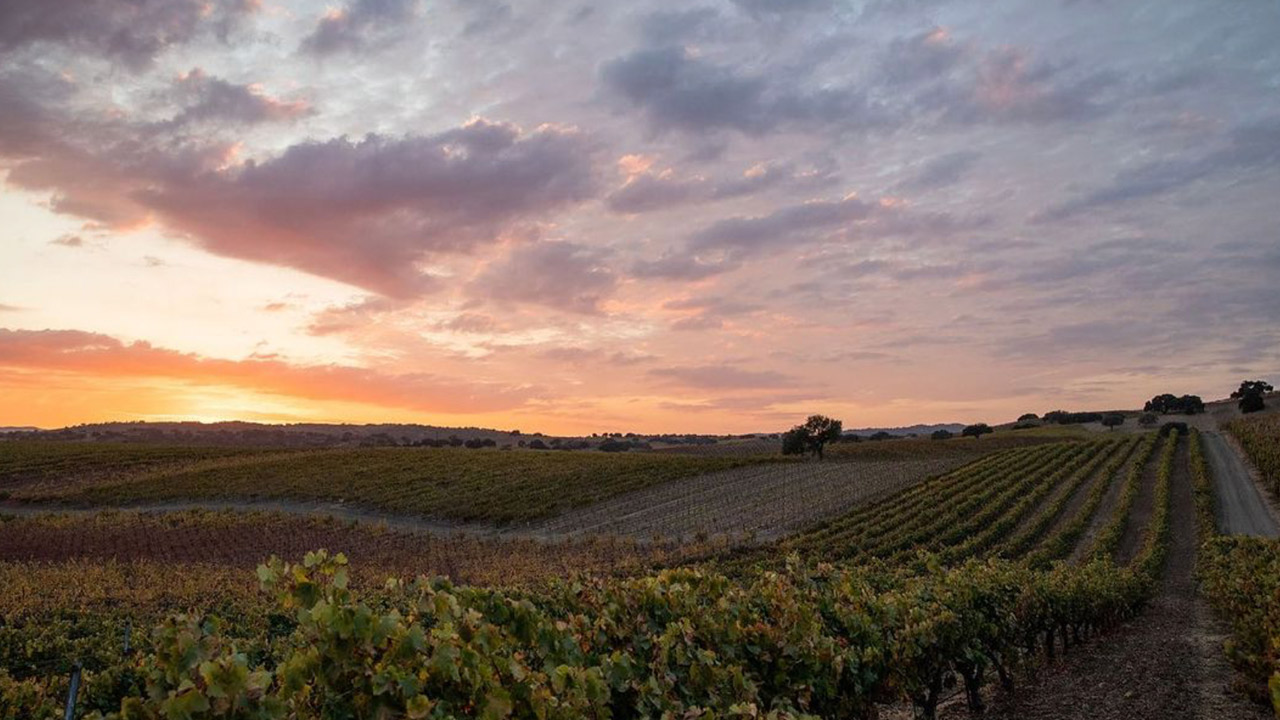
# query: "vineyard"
(1241, 575)
(971, 574)
(244, 539)
(1260, 436)
(445, 483)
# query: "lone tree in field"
(1113, 420)
(812, 436)
(1252, 394)
(1148, 419)
(942, 435)
(976, 431)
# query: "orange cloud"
(74, 352)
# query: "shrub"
(942, 435)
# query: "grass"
(451, 484)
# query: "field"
(449, 484)
(873, 584)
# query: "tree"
(812, 436)
(1252, 395)
(942, 435)
(1252, 387)
(1252, 403)
(1113, 420)
(1147, 419)
(881, 435)
(1167, 404)
(1028, 416)
(794, 441)
(976, 431)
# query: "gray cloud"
(682, 92)
(209, 98)
(358, 24)
(1248, 147)
(656, 191)
(559, 275)
(366, 211)
(941, 171)
(133, 33)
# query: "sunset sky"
(634, 216)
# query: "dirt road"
(1242, 509)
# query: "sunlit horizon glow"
(571, 219)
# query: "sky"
(647, 216)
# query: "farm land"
(1004, 575)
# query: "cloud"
(366, 212)
(808, 221)
(133, 33)
(722, 377)
(759, 7)
(676, 266)
(679, 91)
(941, 171)
(358, 24)
(1247, 147)
(594, 356)
(747, 234)
(556, 274)
(648, 191)
(209, 98)
(71, 241)
(102, 356)
(669, 26)
(921, 57)
(10, 308)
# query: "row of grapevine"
(972, 533)
(1061, 543)
(909, 503)
(818, 641)
(944, 510)
(1108, 539)
(1033, 533)
(1155, 545)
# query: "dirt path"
(1168, 664)
(1242, 509)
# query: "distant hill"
(908, 430)
(24, 428)
(239, 433)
